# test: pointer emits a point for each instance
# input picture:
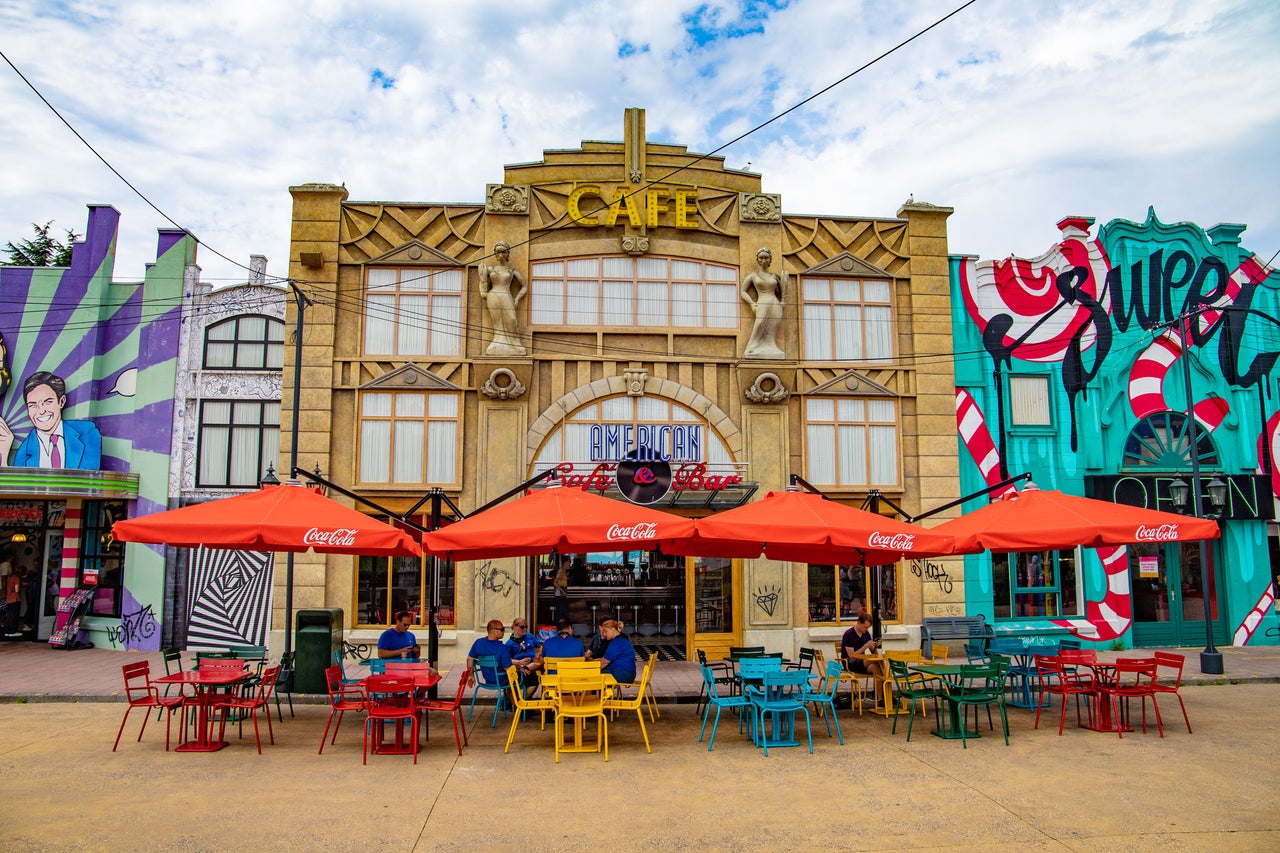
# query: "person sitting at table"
(619, 656)
(564, 644)
(523, 647)
(397, 641)
(858, 640)
(491, 645)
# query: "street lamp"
(1181, 493)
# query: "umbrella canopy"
(559, 517)
(806, 527)
(274, 518)
(1036, 519)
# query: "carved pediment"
(845, 265)
(851, 384)
(416, 253)
(410, 377)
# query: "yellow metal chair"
(580, 696)
(635, 703)
(522, 704)
(858, 681)
(888, 705)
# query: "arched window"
(1163, 441)
(249, 342)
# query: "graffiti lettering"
(933, 571)
(134, 628)
(496, 580)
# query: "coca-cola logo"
(1162, 533)
(341, 537)
(892, 541)
(644, 530)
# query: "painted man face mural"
(53, 442)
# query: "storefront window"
(385, 585)
(1035, 584)
(851, 442)
(840, 593)
(102, 556)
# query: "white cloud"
(1015, 114)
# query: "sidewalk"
(36, 671)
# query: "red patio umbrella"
(1037, 519)
(274, 518)
(810, 528)
(559, 517)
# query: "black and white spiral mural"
(229, 598)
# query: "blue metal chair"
(826, 695)
(722, 673)
(751, 670)
(715, 700)
(489, 676)
(337, 661)
(783, 696)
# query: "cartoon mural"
(1090, 332)
(53, 442)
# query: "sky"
(1016, 113)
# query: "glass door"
(714, 606)
(1169, 595)
(49, 578)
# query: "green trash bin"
(317, 636)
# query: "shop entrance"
(1169, 596)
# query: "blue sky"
(1016, 114)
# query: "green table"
(950, 673)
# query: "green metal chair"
(981, 685)
(914, 688)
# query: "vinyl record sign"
(644, 482)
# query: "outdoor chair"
(779, 694)
(1173, 663)
(1134, 680)
(914, 688)
(722, 674)
(452, 707)
(826, 695)
(804, 660)
(172, 659)
(489, 677)
(858, 681)
(342, 669)
(342, 698)
(1056, 682)
(139, 692)
(635, 703)
(391, 700)
(522, 705)
(284, 683)
(710, 684)
(580, 696)
(260, 700)
(981, 685)
(884, 679)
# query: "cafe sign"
(1248, 495)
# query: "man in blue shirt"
(397, 641)
(563, 644)
(524, 653)
(491, 645)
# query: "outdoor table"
(1104, 675)
(551, 684)
(950, 673)
(882, 688)
(421, 681)
(1022, 670)
(782, 685)
(203, 681)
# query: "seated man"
(858, 640)
(564, 644)
(523, 647)
(397, 641)
(491, 645)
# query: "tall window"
(840, 593)
(852, 442)
(102, 556)
(1029, 401)
(244, 343)
(1032, 584)
(413, 312)
(409, 437)
(238, 439)
(385, 585)
(847, 320)
(626, 291)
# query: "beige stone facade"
(617, 200)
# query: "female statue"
(502, 287)
(770, 296)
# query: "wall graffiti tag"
(927, 570)
(134, 628)
(767, 598)
(493, 579)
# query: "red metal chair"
(260, 699)
(390, 700)
(1054, 681)
(1170, 661)
(452, 707)
(1134, 680)
(139, 692)
(342, 698)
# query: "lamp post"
(1210, 658)
(302, 301)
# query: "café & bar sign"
(1248, 495)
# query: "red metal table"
(422, 681)
(1104, 675)
(203, 681)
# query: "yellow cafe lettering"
(676, 207)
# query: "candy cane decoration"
(1111, 617)
(977, 440)
(1271, 435)
(1146, 384)
(1254, 617)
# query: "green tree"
(44, 250)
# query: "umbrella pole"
(303, 301)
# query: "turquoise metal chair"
(719, 702)
(783, 695)
(826, 695)
(489, 676)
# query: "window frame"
(836, 423)
(807, 341)
(891, 576)
(1006, 578)
(426, 420)
(1011, 413)
(398, 316)
(103, 553)
(268, 451)
(239, 342)
(364, 609)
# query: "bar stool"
(675, 627)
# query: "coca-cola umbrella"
(808, 527)
(558, 517)
(287, 517)
(1042, 519)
